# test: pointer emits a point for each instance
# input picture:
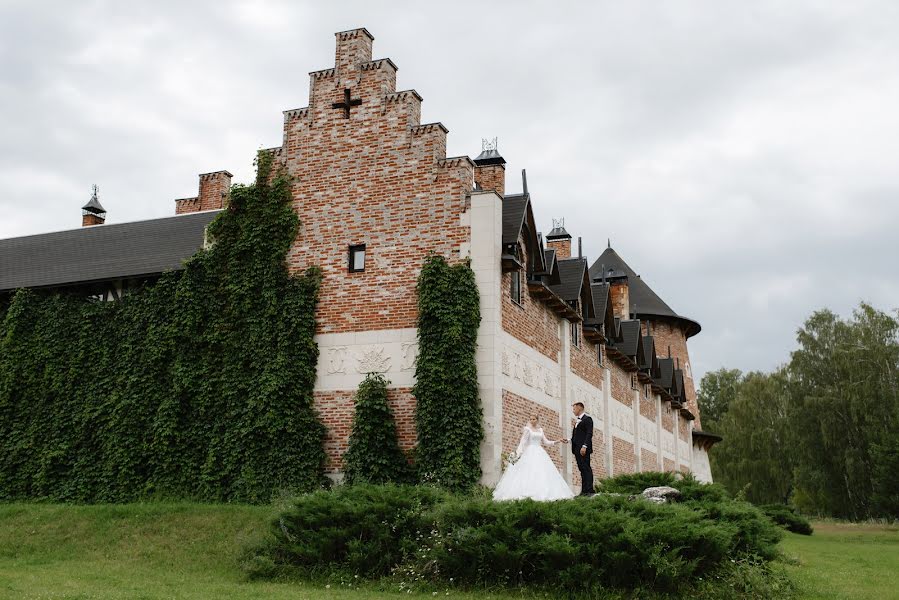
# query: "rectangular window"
(516, 287)
(576, 335)
(599, 354)
(357, 258)
(633, 382)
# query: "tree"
(755, 452)
(716, 392)
(846, 408)
(374, 454)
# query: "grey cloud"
(741, 156)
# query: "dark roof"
(93, 205)
(644, 301)
(649, 360)
(558, 233)
(489, 157)
(666, 373)
(514, 210)
(600, 298)
(101, 252)
(630, 338)
(571, 273)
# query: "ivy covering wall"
(374, 454)
(198, 386)
(448, 414)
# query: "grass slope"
(845, 560)
(142, 551)
(188, 551)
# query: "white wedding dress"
(533, 475)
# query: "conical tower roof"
(93, 205)
(644, 300)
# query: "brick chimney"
(559, 239)
(490, 168)
(93, 212)
(215, 188)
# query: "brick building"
(376, 193)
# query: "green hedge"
(788, 518)
(579, 545)
(197, 386)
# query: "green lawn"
(846, 561)
(143, 551)
(151, 551)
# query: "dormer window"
(357, 258)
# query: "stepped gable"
(367, 172)
(644, 301)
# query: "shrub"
(580, 545)
(365, 529)
(374, 454)
(788, 518)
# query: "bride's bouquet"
(509, 459)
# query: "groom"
(582, 446)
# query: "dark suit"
(582, 435)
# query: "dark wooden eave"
(705, 440)
(540, 290)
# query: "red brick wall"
(684, 430)
(517, 411)
(531, 322)
(621, 385)
(623, 458)
(336, 411)
(648, 407)
(377, 178)
(562, 248)
(668, 334)
(213, 195)
(667, 418)
(491, 177)
(584, 361)
(668, 465)
(620, 295)
(649, 459)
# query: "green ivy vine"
(197, 386)
(374, 454)
(448, 415)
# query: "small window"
(516, 287)
(576, 335)
(357, 258)
(599, 354)
(634, 382)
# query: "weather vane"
(559, 223)
(489, 144)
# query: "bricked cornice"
(351, 34)
(214, 173)
(323, 74)
(296, 113)
(455, 161)
(377, 64)
(274, 151)
(398, 96)
(427, 128)
(194, 199)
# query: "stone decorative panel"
(622, 417)
(531, 373)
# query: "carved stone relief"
(373, 360)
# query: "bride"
(533, 475)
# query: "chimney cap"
(93, 206)
(558, 231)
(489, 153)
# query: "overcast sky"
(742, 156)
